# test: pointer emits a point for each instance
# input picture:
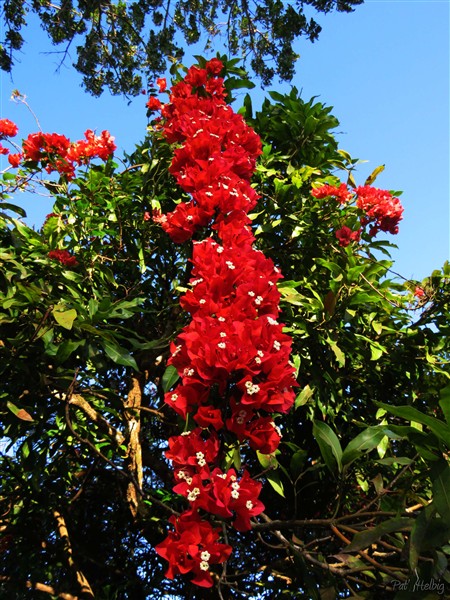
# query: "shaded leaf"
(365, 538)
(329, 445)
(118, 354)
(365, 441)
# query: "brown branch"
(64, 535)
(88, 443)
(132, 406)
(103, 424)
(269, 524)
(42, 587)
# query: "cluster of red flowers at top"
(233, 357)
(382, 211)
(56, 152)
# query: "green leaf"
(273, 477)
(65, 318)
(444, 402)
(305, 395)
(20, 413)
(169, 378)
(439, 428)
(429, 532)
(329, 445)
(376, 350)
(365, 538)
(267, 461)
(441, 491)
(118, 354)
(374, 175)
(365, 441)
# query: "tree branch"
(97, 418)
(64, 535)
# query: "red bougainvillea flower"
(383, 210)
(7, 128)
(341, 193)
(153, 103)
(63, 257)
(345, 236)
(419, 292)
(192, 547)
(3, 150)
(162, 84)
(15, 159)
(214, 66)
(208, 416)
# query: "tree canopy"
(344, 474)
(120, 45)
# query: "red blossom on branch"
(64, 257)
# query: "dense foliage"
(355, 493)
(121, 45)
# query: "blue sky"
(384, 69)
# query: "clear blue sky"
(384, 69)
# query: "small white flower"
(276, 345)
(235, 494)
(205, 555)
(249, 504)
(204, 565)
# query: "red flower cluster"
(233, 357)
(57, 153)
(383, 212)
(341, 193)
(7, 129)
(63, 257)
(193, 546)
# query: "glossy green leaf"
(273, 477)
(409, 413)
(329, 445)
(65, 318)
(365, 441)
(169, 378)
(118, 354)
